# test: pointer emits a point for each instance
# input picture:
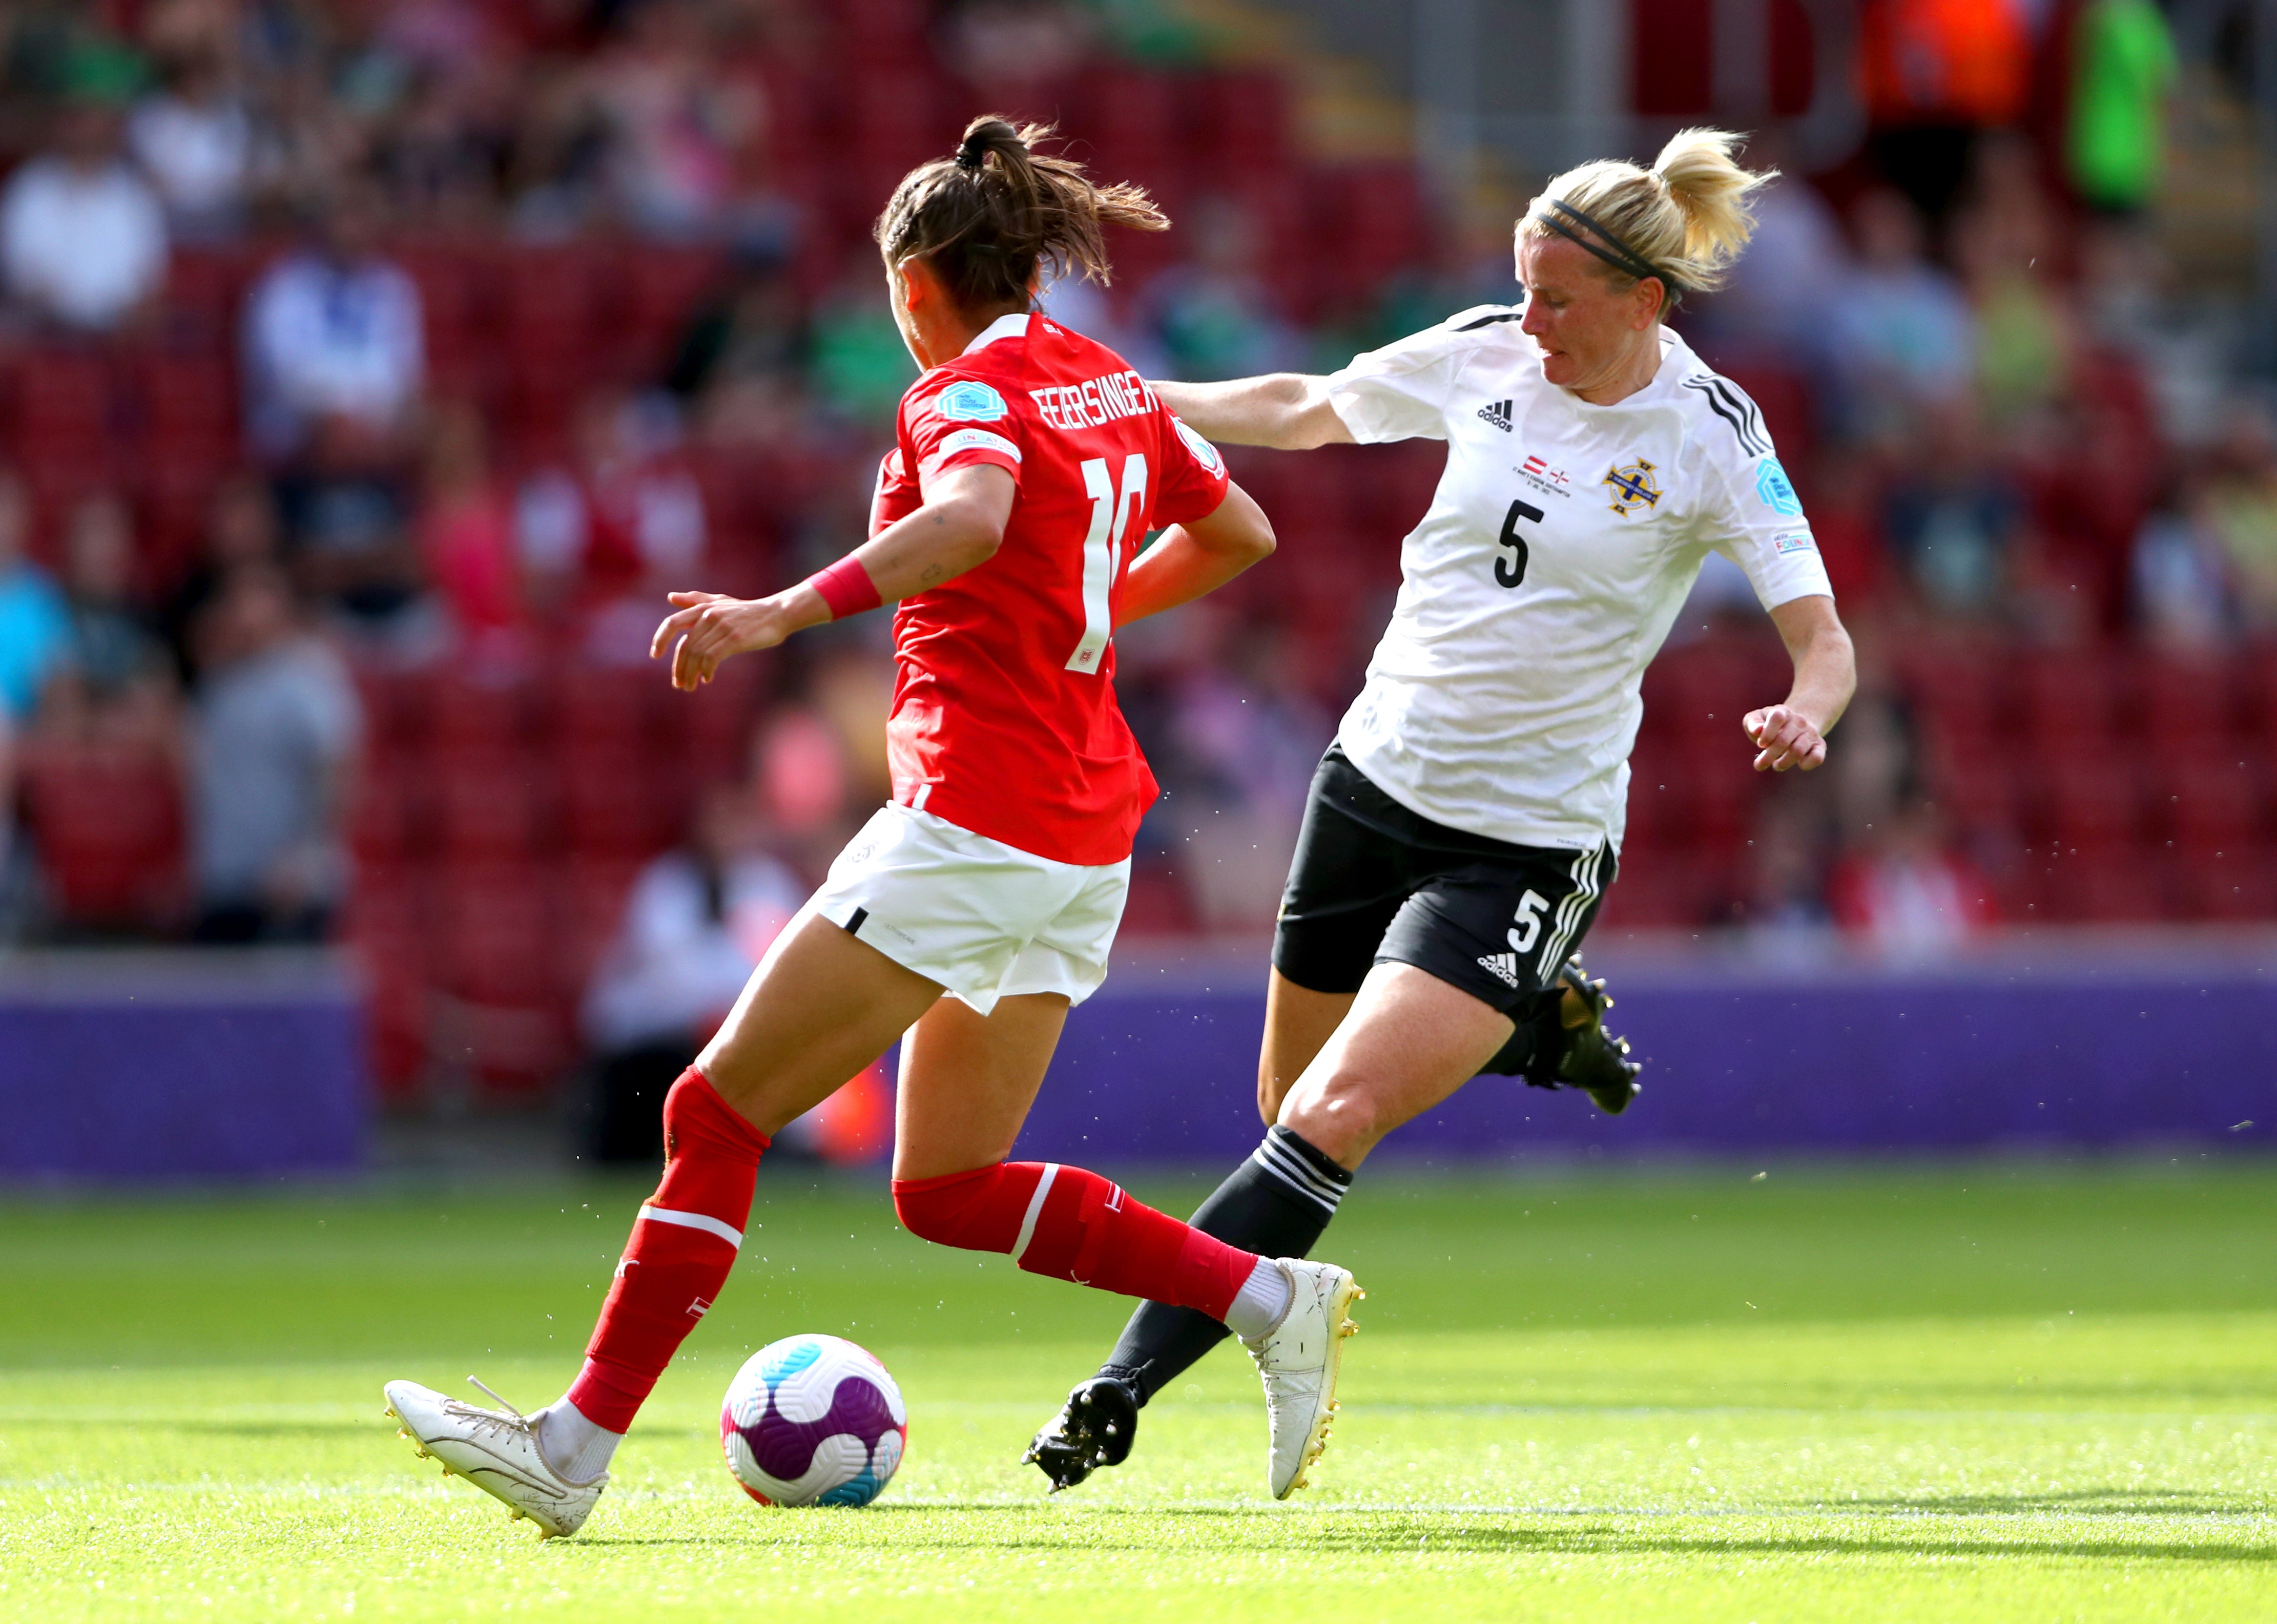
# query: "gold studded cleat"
(1298, 1359)
(497, 1451)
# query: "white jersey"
(1563, 539)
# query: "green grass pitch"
(2000, 1391)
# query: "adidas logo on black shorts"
(1505, 965)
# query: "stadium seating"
(108, 824)
(502, 812)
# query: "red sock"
(1076, 1225)
(683, 1246)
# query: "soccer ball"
(813, 1421)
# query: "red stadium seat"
(2126, 890)
(386, 819)
(1370, 221)
(2185, 705)
(887, 32)
(556, 298)
(1704, 690)
(107, 824)
(610, 708)
(891, 118)
(395, 708)
(616, 806)
(382, 928)
(478, 714)
(2233, 884)
(2066, 699)
(505, 1016)
(189, 407)
(1131, 117)
(496, 934)
(1158, 903)
(496, 809)
(175, 495)
(66, 409)
(1239, 117)
(2090, 805)
(662, 287)
(1783, 397)
(204, 287)
(597, 891)
(457, 295)
(1395, 491)
(716, 722)
(1658, 890)
(2214, 804)
(1959, 689)
(1977, 790)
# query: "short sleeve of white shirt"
(1754, 518)
(1401, 392)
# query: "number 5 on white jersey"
(1110, 515)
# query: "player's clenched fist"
(1784, 738)
(708, 626)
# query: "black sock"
(1276, 1204)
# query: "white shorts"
(985, 920)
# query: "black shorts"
(1375, 883)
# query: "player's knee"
(695, 1112)
(953, 1210)
(1338, 1114)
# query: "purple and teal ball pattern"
(813, 1421)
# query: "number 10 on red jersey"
(1110, 517)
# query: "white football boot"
(1298, 1359)
(497, 1452)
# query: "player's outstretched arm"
(1287, 411)
(961, 525)
(1794, 734)
(1198, 557)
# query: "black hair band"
(969, 158)
(1619, 255)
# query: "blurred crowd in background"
(372, 366)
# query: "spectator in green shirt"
(2123, 67)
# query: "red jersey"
(1004, 718)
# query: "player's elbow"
(1257, 540)
(975, 536)
(981, 545)
(1238, 530)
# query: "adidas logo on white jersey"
(1497, 412)
(1505, 965)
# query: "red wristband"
(846, 587)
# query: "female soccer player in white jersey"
(1465, 826)
(1031, 463)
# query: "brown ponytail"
(989, 218)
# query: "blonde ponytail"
(1687, 217)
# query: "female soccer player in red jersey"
(1030, 462)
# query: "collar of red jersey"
(1013, 326)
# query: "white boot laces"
(512, 1421)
